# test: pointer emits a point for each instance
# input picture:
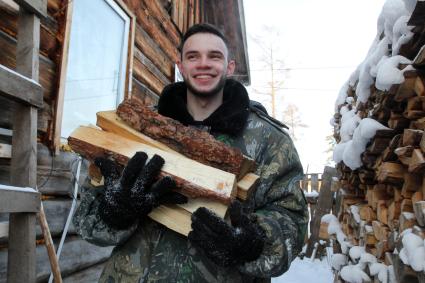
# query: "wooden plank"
(5, 150)
(151, 67)
(62, 78)
(246, 185)
(4, 230)
(77, 254)
(144, 75)
(21, 256)
(152, 50)
(143, 94)
(56, 211)
(173, 217)
(314, 182)
(47, 77)
(21, 266)
(48, 43)
(15, 199)
(19, 88)
(163, 18)
(193, 177)
(324, 205)
(155, 32)
(38, 7)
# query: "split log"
(404, 154)
(189, 141)
(407, 220)
(193, 178)
(419, 209)
(406, 205)
(417, 162)
(394, 210)
(367, 213)
(110, 122)
(412, 137)
(391, 172)
(412, 183)
(406, 88)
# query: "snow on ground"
(304, 270)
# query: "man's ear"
(231, 67)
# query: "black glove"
(225, 244)
(135, 193)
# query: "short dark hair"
(202, 28)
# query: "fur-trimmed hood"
(230, 118)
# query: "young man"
(266, 231)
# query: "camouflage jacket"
(149, 252)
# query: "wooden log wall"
(155, 51)
(386, 195)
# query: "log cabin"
(91, 56)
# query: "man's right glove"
(227, 245)
(135, 193)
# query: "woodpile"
(383, 200)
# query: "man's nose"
(204, 62)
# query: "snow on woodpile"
(379, 218)
(380, 70)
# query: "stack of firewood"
(383, 200)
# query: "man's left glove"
(227, 245)
(134, 193)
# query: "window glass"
(97, 58)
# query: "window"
(97, 62)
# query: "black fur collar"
(230, 118)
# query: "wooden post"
(21, 256)
(324, 205)
(315, 182)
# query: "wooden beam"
(16, 199)
(194, 178)
(20, 88)
(4, 230)
(21, 266)
(21, 254)
(5, 150)
(324, 205)
(38, 7)
(62, 78)
(151, 49)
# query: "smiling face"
(204, 64)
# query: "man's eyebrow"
(216, 52)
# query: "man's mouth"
(203, 76)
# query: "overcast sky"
(321, 43)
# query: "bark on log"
(193, 178)
(189, 141)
